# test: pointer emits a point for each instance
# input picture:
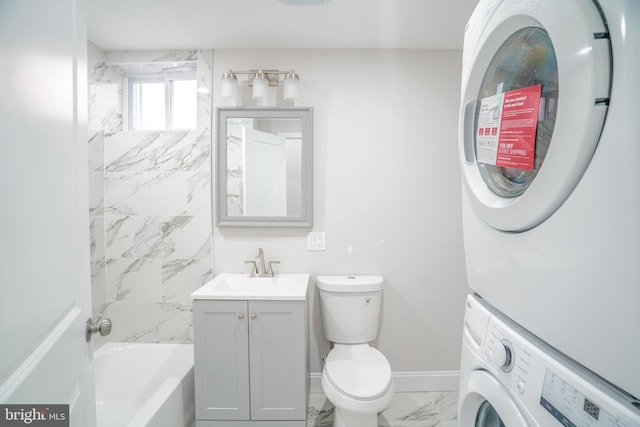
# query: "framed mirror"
(264, 167)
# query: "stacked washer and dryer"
(549, 144)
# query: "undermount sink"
(227, 286)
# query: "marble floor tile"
(428, 409)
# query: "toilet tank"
(350, 307)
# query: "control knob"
(501, 357)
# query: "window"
(162, 102)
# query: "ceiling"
(263, 24)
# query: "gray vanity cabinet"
(250, 363)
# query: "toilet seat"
(359, 371)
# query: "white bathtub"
(140, 385)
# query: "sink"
(228, 286)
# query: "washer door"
(541, 150)
(487, 403)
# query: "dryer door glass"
(488, 417)
(524, 60)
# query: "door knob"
(103, 326)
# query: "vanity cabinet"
(250, 363)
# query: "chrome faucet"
(259, 269)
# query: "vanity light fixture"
(260, 81)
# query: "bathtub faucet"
(259, 269)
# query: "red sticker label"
(517, 140)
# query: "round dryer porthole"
(525, 59)
(533, 109)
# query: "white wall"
(386, 192)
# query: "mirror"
(264, 158)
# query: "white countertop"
(230, 286)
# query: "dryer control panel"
(572, 408)
(554, 389)
(515, 366)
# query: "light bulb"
(260, 86)
(229, 85)
(291, 86)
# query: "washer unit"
(549, 144)
(511, 378)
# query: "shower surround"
(150, 196)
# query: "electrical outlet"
(316, 241)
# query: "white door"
(44, 224)
(265, 173)
(534, 101)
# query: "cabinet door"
(221, 360)
(278, 360)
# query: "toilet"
(356, 377)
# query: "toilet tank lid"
(350, 283)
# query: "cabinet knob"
(253, 316)
(240, 316)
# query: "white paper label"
(489, 129)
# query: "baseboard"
(410, 382)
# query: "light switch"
(316, 241)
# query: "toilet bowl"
(356, 377)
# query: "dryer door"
(533, 107)
(487, 403)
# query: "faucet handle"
(254, 269)
(270, 272)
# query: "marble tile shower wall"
(150, 195)
(105, 96)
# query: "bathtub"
(139, 385)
